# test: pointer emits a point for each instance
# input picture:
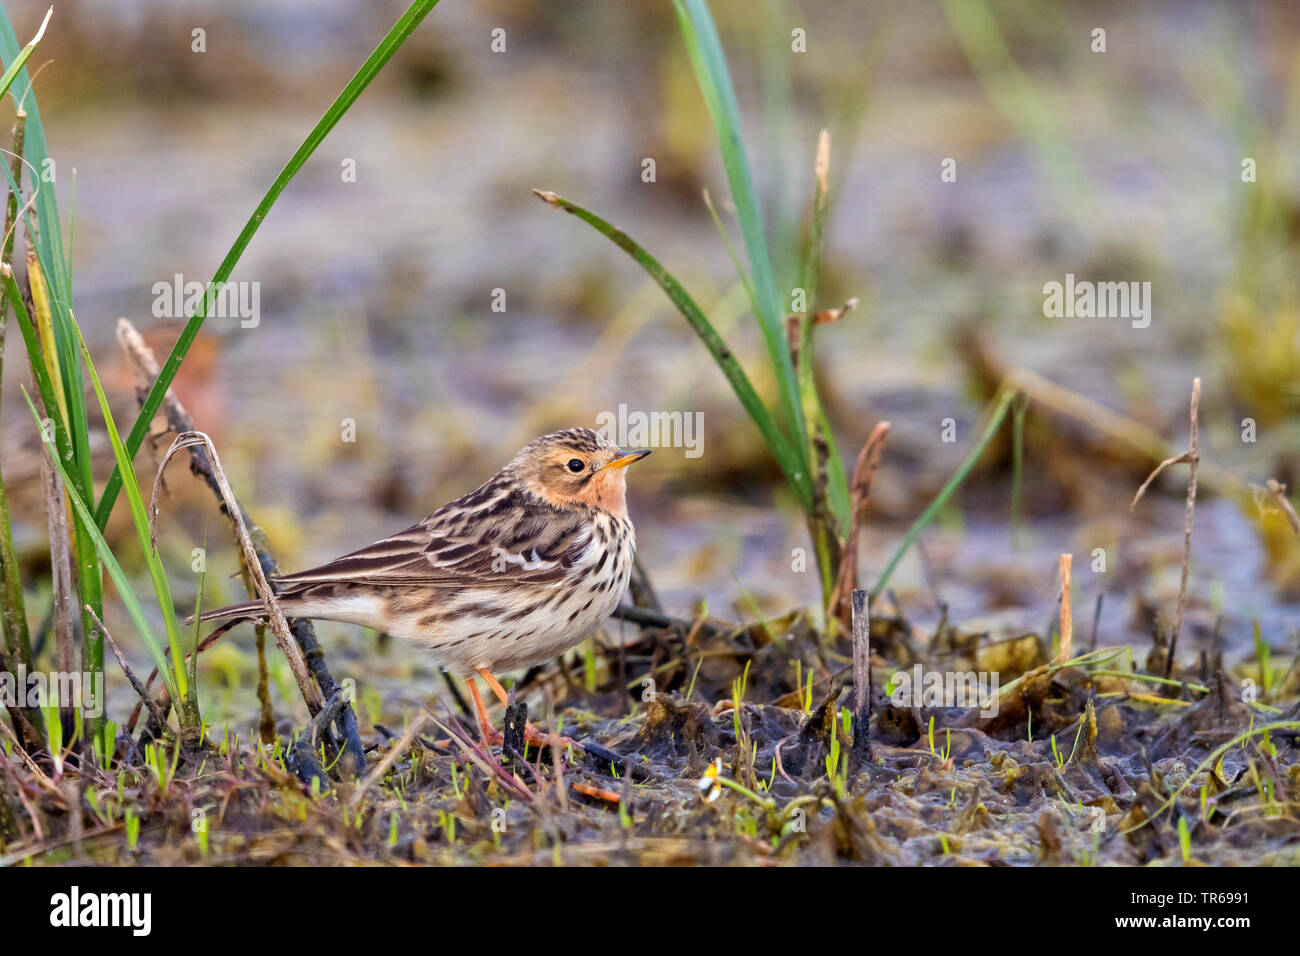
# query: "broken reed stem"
(1067, 616)
(145, 368)
(279, 625)
(64, 620)
(1194, 451)
(864, 473)
(861, 672)
(1193, 458)
(13, 608)
(265, 714)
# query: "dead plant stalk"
(279, 625)
(864, 473)
(1193, 458)
(1067, 615)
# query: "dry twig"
(144, 365)
(1193, 458)
(134, 681)
(279, 625)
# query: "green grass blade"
(69, 372)
(76, 427)
(198, 614)
(837, 479)
(140, 518)
(812, 266)
(745, 281)
(51, 286)
(395, 37)
(791, 464)
(17, 637)
(47, 294)
(1017, 467)
(43, 382)
(837, 484)
(20, 60)
(1002, 404)
(106, 555)
(49, 239)
(710, 66)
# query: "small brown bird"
(510, 575)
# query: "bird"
(510, 575)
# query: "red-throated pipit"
(510, 575)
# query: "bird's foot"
(540, 740)
(491, 737)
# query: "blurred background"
(376, 294)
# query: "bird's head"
(576, 468)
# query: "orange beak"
(625, 458)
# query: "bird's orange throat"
(606, 491)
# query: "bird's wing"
(455, 548)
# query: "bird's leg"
(490, 736)
(490, 679)
(531, 734)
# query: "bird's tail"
(248, 610)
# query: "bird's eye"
(576, 465)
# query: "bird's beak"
(625, 458)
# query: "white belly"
(506, 629)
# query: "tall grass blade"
(710, 66)
(140, 518)
(20, 60)
(786, 457)
(837, 484)
(44, 384)
(115, 571)
(49, 280)
(1001, 405)
(49, 239)
(390, 44)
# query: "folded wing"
(457, 547)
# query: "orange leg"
(531, 734)
(490, 679)
(490, 736)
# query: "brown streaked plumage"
(510, 575)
